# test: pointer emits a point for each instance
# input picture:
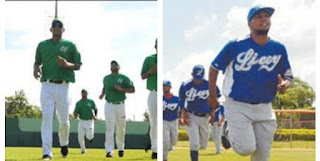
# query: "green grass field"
(22, 153)
(301, 150)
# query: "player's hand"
(119, 88)
(101, 96)
(37, 72)
(283, 85)
(185, 117)
(180, 121)
(94, 117)
(153, 69)
(63, 62)
(219, 124)
(213, 102)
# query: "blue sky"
(195, 31)
(102, 31)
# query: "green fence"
(27, 133)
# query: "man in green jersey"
(149, 72)
(87, 112)
(55, 62)
(115, 87)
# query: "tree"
(299, 95)
(17, 106)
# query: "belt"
(117, 103)
(198, 114)
(55, 81)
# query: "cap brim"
(269, 10)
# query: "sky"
(194, 32)
(102, 32)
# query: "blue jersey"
(251, 70)
(170, 108)
(194, 97)
(218, 112)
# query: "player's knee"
(245, 150)
(194, 146)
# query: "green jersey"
(148, 63)
(47, 54)
(85, 109)
(113, 95)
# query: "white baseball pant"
(251, 128)
(170, 136)
(54, 96)
(85, 128)
(115, 117)
(152, 109)
(198, 132)
(216, 131)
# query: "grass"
(303, 150)
(25, 153)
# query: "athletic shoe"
(64, 151)
(154, 155)
(83, 152)
(46, 157)
(224, 138)
(120, 153)
(109, 155)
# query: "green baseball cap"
(83, 90)
(56, 21)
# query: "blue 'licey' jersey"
(251, 70)
(170, 108)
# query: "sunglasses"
(59, 25)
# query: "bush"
(280, 135)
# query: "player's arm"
(212, 99)
(129, 87)
(75, 113)
(37, 64)
(184, 113)
(146, 72)
(74, 64)
(103, 93)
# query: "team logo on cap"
(200, 72)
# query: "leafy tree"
(17, 106)
(299, 96)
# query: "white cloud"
(202, 23)
(100, 35)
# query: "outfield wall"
(26, 133)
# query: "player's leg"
(90, 129)
(81, 133)
(63, 102)
(166, 139)
(47, 109)
(173, 132)
(152, 110)
(241, 134)
(110, 123)
(193, 133)
(120, 126)
(217, 137)
(264, 130)
(204, 132)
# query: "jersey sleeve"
(128, 83)
(182, 97)
(224, 57)
(76, 55)
(145, 67)
(38, 56)
(285, 68)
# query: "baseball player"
(255, 68)
(195, 113)
(217, 126)
(170, 119)
(149, 72)
(55, 62)
(115, 87)
(87, 112)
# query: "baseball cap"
(167, 83)
(56, 22)
(83, 90)
(114, 63)
(198, 72)
(255, 10)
